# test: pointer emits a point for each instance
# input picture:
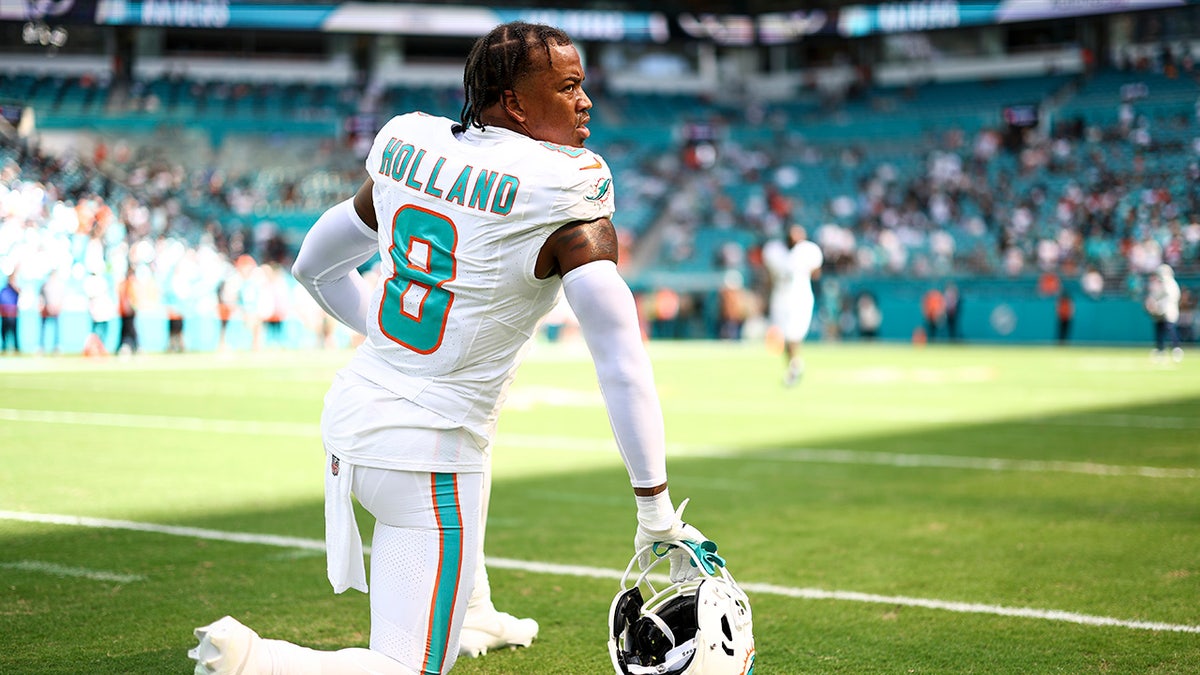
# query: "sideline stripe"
(54, 569)
(813, 455)
(602, 573)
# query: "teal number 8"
(415, 305)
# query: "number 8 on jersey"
(415, 305)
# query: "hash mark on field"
(64, 571)
(602, 573)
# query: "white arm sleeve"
(609, 321)
(328, 260)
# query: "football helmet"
(701, 626)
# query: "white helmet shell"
(702, 626)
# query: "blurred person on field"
(933, 310)
(50, 304)
(127, 304)
(1064, 313)
(868, 316)
(175, 292)
(252, 298)
(273, 304)
(664, 304)
(102, 308)
(1186, 327)
(480, 225)
(793, 271)
(952, 298)
(228, 290)
(731, 306)
(1162, 304)
(9, 314)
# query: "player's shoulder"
(576, 180)
(566, 157)
(418, 121)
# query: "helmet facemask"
(701, 626)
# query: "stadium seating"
(890, 180)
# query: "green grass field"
(938, 510)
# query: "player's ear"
(512, 105)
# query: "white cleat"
(795, 371)
(486, 629)
(226, 648)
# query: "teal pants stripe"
(450, 552)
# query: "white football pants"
(423, 567)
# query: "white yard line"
(602, 573)
(56, 570)
(166, 422)
(811, 455)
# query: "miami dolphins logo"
(600, 190)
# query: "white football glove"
(657, 531)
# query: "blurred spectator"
(1064, 312)
(869, 317)
(273, 303)
(953, 301)
(127, 304)
(1092, 283)
(101, 309)
(173, 304)
(732, 306)
(665, 306)
(228, 291)
(1049, 284)
(9, 313)
(1188, 316)
(50, 304)
(933, 310)
(1162, 303)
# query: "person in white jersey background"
(1162, 302)
(793, 269)
(479, 224)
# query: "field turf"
(946, 509)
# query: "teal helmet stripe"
(441, 609)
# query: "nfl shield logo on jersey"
(334, 465)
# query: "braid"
(498, 60)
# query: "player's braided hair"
(498, 60)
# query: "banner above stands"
(586, 25)
(378, 18)
(913, 17)
(916, 16)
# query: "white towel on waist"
(343, 544)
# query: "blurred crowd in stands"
(1096, 204)
(71, 240)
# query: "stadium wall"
(997, 318)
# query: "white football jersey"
(462, 219)
(803, 259)
(791, 303)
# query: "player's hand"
(655, 539)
